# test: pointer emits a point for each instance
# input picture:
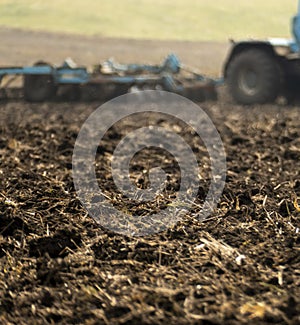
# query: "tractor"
(258, 72)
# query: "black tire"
(253, 77)
(38, 88)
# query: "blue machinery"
(256, 71)
(259, 71)
(295, 45)
(41, 81)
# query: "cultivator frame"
(42, 81)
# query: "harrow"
(42, 81)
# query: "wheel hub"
(247, 81)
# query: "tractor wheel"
(38, 88)
(253, 77)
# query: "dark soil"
(240, 266)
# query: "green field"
(153, 19)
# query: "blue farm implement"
(258, 71)
(43, 81)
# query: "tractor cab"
(296, 31)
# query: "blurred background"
(96, 29)
(153, 19)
